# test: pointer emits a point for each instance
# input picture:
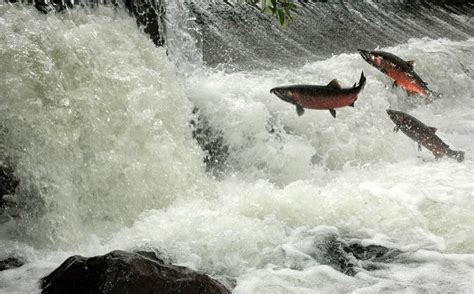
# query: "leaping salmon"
(400, 71)
(423, 135)
(326, 97)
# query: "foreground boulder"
(126, 272)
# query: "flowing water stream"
(95, 121)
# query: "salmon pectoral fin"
(352, 104)
(333, 112)
(299, 110)
(394, 85)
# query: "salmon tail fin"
(362, 81)
(458, 155)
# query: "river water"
(96, 122)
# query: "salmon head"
(371, 57)
(398, 117)
(284, 93)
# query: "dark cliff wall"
(149, 15)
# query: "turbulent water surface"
(95, 121)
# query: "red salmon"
(326, 97)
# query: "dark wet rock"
(211, 142)
(320, 245)
(126, 272)
(46, 6)
(11, 262)
(326, 246)
(8, 200)
(371, 252)
(349, 259)
(330, 251)
(149, 15)
(8, 182)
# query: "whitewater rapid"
(98, 124)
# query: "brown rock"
(126, 272)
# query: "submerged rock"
(126, 272)
(8, 199)
(11, 262)
(324, 245)
(211, 142)
(371, 252)
(351, 258)
(8, 182)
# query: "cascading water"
(96, 123)
(241, 37)
(93, 138)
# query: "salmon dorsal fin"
(411, 63)
(433, 129)
(334, 84)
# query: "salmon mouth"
(392, 115)
(280, 93)
(366, 55)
